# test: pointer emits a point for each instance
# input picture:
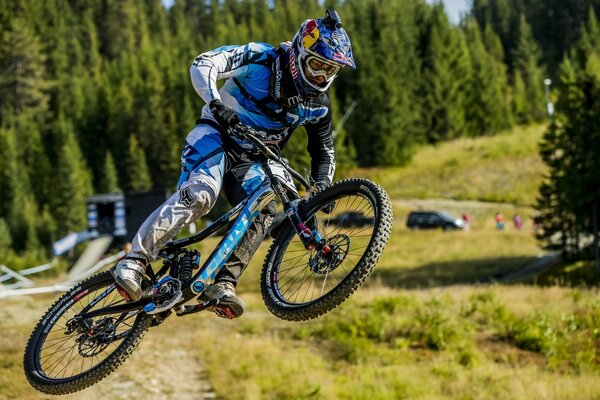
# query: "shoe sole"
(228, 307)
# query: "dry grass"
(261, 357)
(504, 168)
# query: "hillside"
(505, 168)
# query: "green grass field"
(433, 322)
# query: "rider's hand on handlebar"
(224, 115)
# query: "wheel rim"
(63, 352)
(301, 277)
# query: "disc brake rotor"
(97, 338)
(323, 263)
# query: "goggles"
(319, 67)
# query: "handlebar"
(246, 132)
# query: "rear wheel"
(299, 284)
(66, 354)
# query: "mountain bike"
(317, 260)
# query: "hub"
(332, 254)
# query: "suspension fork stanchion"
(311, 239)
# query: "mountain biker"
(273, 90)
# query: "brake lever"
(245, 132)
(238, 130)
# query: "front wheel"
(299, 284)
(66, 354)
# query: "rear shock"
(188, 262)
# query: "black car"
(433, 220)
(351, 219)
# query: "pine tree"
(527, 66)
(22, 81)
(73, 180)
(446, 74)
(108, 181)
(137, 177)
(5, 237)
(572, 191)
(8, 170)
(487, 110)
(118, 28)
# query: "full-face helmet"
(320, 49)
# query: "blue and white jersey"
(249, 73)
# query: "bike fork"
(311, 238)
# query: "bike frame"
(246, 211)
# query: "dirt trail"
(542, 264)
(177, 372)
(165, 365)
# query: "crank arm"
(185, 310)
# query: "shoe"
(230, 305)
(128, 274)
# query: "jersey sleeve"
(320, 147)
(222, 63)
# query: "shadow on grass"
(478, 271)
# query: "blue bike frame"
(248, 210)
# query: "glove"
(224, 115)
(319, 187)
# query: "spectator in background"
(517, 221)
(499, 221)
(466, 220)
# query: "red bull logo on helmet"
(310, 34)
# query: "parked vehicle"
(351, 219)
(433, 220)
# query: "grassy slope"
(503, 168)
(415, 331)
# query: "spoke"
(303, 280)
(57, 362)
(67, 364)
(311, 283)
(293, 258)
(290, 268)
(324, 281)
(313, 291)
(362, 230)
(293, 278)
(58, 343)
(289, 283)
(82, 364)
(58, 338)
(295, 251)
(56, 353)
